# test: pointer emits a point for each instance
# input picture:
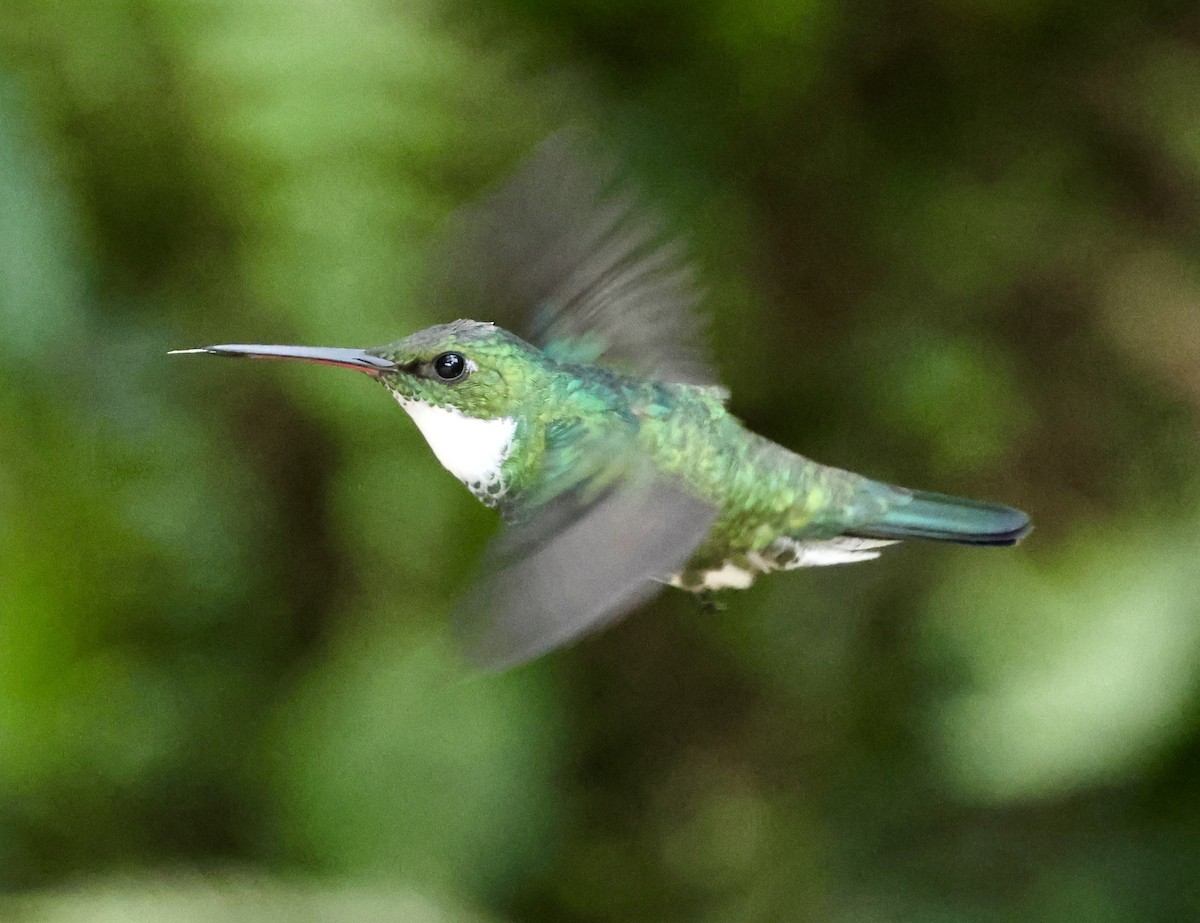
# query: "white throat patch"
(472, 450)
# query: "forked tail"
(941, 518)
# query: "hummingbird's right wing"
(562, 255)
(591, 551)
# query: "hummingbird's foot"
(709, 604)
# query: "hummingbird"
(597, 427)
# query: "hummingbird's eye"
(450, 366)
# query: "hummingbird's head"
(469, 386)
(478, 369)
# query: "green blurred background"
(949, 243)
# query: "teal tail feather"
(941, 518)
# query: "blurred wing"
(577, 562)
(561, 256)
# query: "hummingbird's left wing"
(591, 551)
(564, 255)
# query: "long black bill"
(358, 359)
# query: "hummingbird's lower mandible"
(601, 435)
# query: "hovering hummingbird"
(601, 434)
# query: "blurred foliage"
(952, 243)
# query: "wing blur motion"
(576, 566)
(562, 255)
